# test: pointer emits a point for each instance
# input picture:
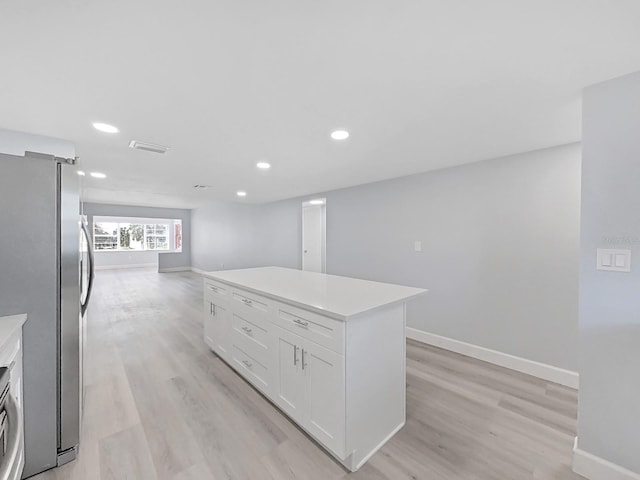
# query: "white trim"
(130, 265)
(530, 367)
(197, 270)
(596, 468)
(174, 269)
(376, 448)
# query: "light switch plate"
(612, 260)
(417, 246)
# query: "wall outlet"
(222, 266)
(417, 246)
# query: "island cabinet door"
(217, 327)
(325, 411)
(290, 387)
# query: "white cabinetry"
(310, 388)
(216, 320)
(339, 376)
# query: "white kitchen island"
(329, 351)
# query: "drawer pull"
(247, 302)
(247, 329)
(214, 288)
(300, 323)
(247, 363)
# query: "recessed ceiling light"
(98, 175)
(241, 193)
(340, 135)
(105, 127)
(263, 165)
(317, 201)
(81, 173)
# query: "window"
(105, 236)
(177, 231)
(156, 237)
(131, 236)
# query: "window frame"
(167, 228)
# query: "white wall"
(500, 243)
(17, 143)
(609, 409)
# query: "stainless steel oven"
(11, 430)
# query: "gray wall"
(167, 260)
(225, 236)
(609, 413)
(500, 242)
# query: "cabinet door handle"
(210, 308)
(247, 363)
(247, 329)
(300, 323)
(303, 364)
(213, 309)
(295, 355)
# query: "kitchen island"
(329, 351)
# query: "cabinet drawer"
(321, 330)
(217, 287)
(252, 338)
(251, 369)
(215, 290)
(253, 306)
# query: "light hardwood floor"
(160, 405)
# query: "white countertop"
(9, 325)
(330, 295)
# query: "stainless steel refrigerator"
(46, 272)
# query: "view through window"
(128, 236)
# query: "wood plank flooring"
(161, 406)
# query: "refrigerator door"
(28, 284)
(70, 337)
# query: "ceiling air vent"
(149, 147)
(197, 186)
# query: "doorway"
(314, 226)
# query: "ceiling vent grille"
(198, 186)
(149, 147)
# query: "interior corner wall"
(608, 411)
(500, 247)
(500, 242)
(169, 260)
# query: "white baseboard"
(130, 265)
(536, 369)
(596, 468)
(197, 270)
(174, 269)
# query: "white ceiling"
(420, 84)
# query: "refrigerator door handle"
(85, 229)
